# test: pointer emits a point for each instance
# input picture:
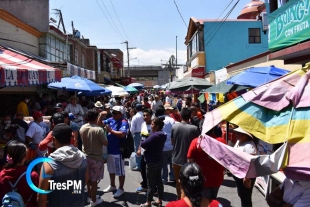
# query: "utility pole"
(176, 50)
(128, 48)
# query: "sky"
(154, 27)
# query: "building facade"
(289, 29)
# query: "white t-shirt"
(146, 131)
(36, 132)
(248, 147)
(155, 104)
(168, 123)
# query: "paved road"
(227, 194)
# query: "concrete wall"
(32, 12)
(230, 44)
(24, 40)
(263, 61)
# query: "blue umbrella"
(257, 76)
(78, 84)
(138, 86)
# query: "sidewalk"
(227, 194)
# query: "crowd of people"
(84, 135)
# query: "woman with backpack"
(13, 176)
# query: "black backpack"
(127, 146)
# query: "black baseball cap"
(62, 132)
(58, 106)
(58, 118)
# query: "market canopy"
(189, 83)
(117, 91)
(20, 70)
(131, 89)
(275, 112)
(138, 86)
(78, 84)
(256, 76)
(223, 87)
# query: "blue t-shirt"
(114, 142)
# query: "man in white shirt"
(156, 103)
(36, 133)
(167, 151)
(135, 129)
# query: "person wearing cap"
(36, 133)
(94, 139)
(117, 129)
(22, 107)
(135, 129)
(68, 164)
(58, 108)
(245, 186)
(76, 110)
(156, 103)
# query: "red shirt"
(44, 144)
(23, 188)
(211, 169)
(147, 104)
(182, 203)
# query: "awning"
(19, 70)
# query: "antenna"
(58, 11)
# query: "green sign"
(289, 24)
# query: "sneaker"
(140, 189)
(136, 169)
(118, 193)
(98, 201)
(89, 199)
(109, 189)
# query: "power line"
(119, 21)
(220, 15)
(221, 23)
(112, 19)
(108, 20)
(180, 13)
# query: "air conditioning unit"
(265, 21)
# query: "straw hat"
(240, 130)
(98, 104)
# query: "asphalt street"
(227, 193)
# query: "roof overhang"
(297, 54)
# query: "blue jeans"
(137, 140)
(167, 156)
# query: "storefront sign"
(198, 72)
(220, 75)
(289, 24)
(75, 70)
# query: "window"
(254, 35)
(76, 57)
(82, 60)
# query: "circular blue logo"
(43, 175)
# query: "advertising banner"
(289, 24)
(75, 70)
(198, 72)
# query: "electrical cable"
(222, 22)
(108, 20)
(119, 21)
(112, 19)
(219, 17)
(180, 13)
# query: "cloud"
(153, 57)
